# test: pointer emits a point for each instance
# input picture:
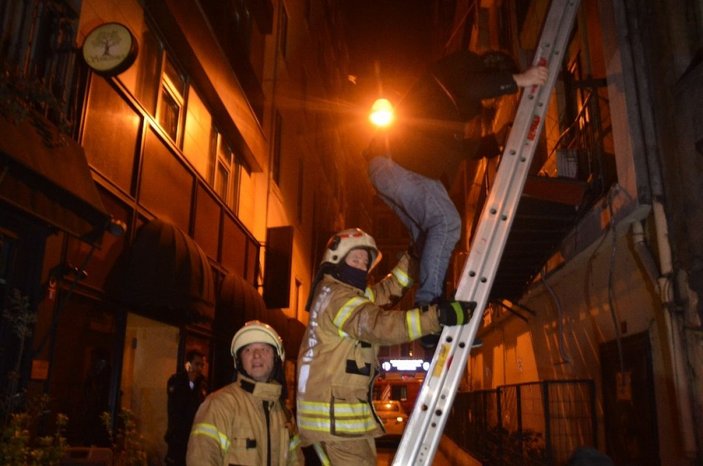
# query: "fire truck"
(400, 379)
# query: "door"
(628, 402)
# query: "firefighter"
(337, 361)
(247, 422)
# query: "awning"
(167, 274)
(239, 302)
(46, 174)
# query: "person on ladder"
(337, 361)
(439, 126)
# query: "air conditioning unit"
(568, 163)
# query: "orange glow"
(382, 113)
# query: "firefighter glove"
(455, 312)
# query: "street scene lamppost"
(382, 113)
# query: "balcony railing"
(40, 68)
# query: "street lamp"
(382, 113)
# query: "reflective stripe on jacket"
(337, 359)
(231, 427)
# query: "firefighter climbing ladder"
(434, 402)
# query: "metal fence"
(538, 423)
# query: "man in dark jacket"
(186, 390)
(439, 126)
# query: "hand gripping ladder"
(424, 430)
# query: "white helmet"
(256, 331)
(341, 243)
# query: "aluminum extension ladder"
(424, 430)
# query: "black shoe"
(477, 343)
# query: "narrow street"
(198, 196)
(448, 454)
(385, 457)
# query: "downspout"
(644, 136)
(662, 280)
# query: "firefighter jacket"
(443, 124)
(337, 360)
(244, 423)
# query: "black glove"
(430, 340)
(455, 312)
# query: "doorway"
(150, 358)
(628, 402)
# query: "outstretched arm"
(537, 75)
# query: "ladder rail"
(423, 432)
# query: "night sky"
(392, 33)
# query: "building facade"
(169, 170)
(598, 281)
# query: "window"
(38, 61)
(584, 150)
(169, 110)
(226, 170)
(151, 51)
(243, 43)
(399, 392)
(197, 133)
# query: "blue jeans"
(428, 213)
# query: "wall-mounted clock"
(110, 49)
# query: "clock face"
(109, 49)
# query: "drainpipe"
(664, 283)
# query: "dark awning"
(167, 274)
(240, 302)
(46, 174)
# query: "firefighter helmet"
(353, 238)
(256, 331)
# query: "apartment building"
(170, 170)
(592, 330)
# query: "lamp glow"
(382, 113)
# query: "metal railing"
(537, 423)
(40, 68)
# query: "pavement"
(448, 454)
(453, 455)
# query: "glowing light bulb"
(382, 113)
